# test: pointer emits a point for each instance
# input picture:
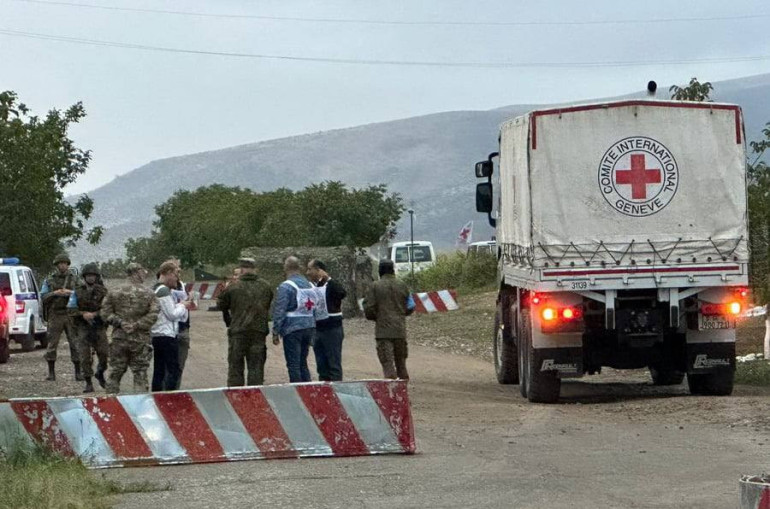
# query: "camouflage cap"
(91, 268)
(62, 257)
(247, 263)
(133, 268)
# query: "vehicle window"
(22, 282)
(5, 284)
(402, 254)
(31, 284)
(422, 254)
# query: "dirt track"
(614, 441)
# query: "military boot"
(99, 375)
(51, 371)
(78, 373)
(89, 386)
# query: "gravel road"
(614, 441)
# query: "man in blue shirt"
(294, 321)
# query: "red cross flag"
(465, 235)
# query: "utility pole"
(411, 236)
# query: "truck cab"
(623, 242)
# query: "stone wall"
(353, 270)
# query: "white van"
(421, 252)
(485, 246)
(23, 304)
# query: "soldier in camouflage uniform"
(245, 306)
(56, 291)
(91, 331)
(131, 310)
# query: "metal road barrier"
(755, 492)
(431, 302)
(211, 425)
(207, 291)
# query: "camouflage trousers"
(129, 353)
(251, 350)
(90, 341)
(56, 325)
(392, 354)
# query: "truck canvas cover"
(626, 183)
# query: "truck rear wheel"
(541, 387)
(504, 350)
(718, 383)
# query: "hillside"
(428, 159)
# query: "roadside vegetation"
(466, 273)
(467, 331)
(34, 477)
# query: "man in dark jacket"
(386, 303)
(328, 325)
(245, 306)
(56, 291)
(84, 306)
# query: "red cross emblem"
(638, 177)
(464, 233)
(309, 305)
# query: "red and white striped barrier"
(207, 291)
(432, 302)
(755, 492)
(200, 426)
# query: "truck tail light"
(567, 314)
(731, 308)
(20, 306)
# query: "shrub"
(457, 270)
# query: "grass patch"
(35, 477)
(753, 373)
(467, 331)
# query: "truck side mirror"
(484, 169)
(484, 199)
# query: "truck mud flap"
(566, 362)
(710, 357)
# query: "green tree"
(113, 268)
(695, 91)
(758, 175)
(330, 214)
(213, 224)
(209, 225)
(149, 251)
(38, 160)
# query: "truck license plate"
(714, 322)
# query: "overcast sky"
(146, 105)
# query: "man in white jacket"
(165, 343)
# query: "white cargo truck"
(622, 242)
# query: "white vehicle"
(23, 304)
(624, 243)
(485, 246)
(403, 253)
